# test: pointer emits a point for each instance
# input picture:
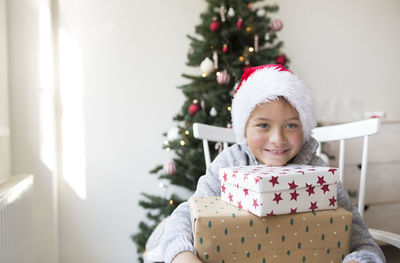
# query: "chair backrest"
(339, 132)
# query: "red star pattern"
(313, 206)
(233, 175)
(311, 169)
(225, 176)
(245, 176)
(293, 211)
(255, 204)
(240, 204)
(332, 201)
(230, 197)
(246, 191)
(237, 186)
(277, 198)
(294, 195)
(321, 180)
(325, 188)
(223, 188)
(274, 180)
(271, 214)
(332, 170)
(310, 189)
(292, 185)
(257, 179)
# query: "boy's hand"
(185, 257)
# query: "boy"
(272, 116)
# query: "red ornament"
(239, 24)
(215, 25)
(194, 108)
(281, 59)
(223, 78)
(225, 48)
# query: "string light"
(161, 185)
(248, 29)
(229, 108)
(203, 75)
(182, 142)
(241, 58)
(166, 143)
(195, 101)
(168, 149)
(218, 73)
(171, 202)
(251, 49)
(187, 132)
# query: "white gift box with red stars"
(265, 190)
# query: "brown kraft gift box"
(224, 233)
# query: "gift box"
(265, 190)
(224, 233)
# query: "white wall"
(347, 52)
(132, 54)
(4, 111)
(31, 111)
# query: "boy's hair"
(266, 83)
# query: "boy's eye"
(263, 125)
(292, 125)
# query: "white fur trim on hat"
(265, 84)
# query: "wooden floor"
(392, 254)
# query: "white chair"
(341, 132)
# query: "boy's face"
(274, 132)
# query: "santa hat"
(267, 83)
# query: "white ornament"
(207, 66)
(267, 37)
(173, 134)
(213, 112)
(261, 12)
(231, 12)
(169, 167)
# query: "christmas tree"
(232, 36)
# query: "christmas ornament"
(276, 25)
(215, 25)
(267, 37)
(239, 24)
(281, 59)
(213, 112)
(194, 108)
(261, 12)
(215, 58)
(219, 147)
(173, 134)
(231, 12)
(225, 48)
(222, 11)
(256, 43)
(203, 107)
(223, 77)
(207, 66)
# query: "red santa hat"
(267, 83)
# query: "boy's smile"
(274, 132)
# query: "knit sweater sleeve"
(178, 236)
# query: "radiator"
(16, 220)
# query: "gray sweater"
(178, 236)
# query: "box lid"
(262, 178)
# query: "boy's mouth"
(277, 152)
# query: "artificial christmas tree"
(232, 36)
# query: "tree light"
(168, 149)
(171, 202)
(229, 108)
(203, 75)
(241, 58)
(251, 49)
(182, 142)
(165, 142)
(187, 132)
(218, 73)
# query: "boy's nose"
(277, 136)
